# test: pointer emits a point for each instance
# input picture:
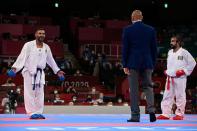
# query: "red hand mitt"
(180, 73)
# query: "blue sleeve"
(154, 47)
(124, 48)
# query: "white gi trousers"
(177, 87)
(33, 99)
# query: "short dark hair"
(179, 39)
(40, 28)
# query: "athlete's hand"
(180, 73)
(61, 75)
(12, 72)
(126, 71)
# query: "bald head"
(136, 15)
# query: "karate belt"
(168, 82)
(35, 76)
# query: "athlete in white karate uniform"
(33, 59)
(180, 64)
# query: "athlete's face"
(40, 35)
(173, 43)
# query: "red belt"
(168, 82)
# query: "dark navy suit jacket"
(139, 46)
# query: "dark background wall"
(178, 11)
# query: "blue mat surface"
(93, 122)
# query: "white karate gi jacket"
(32, 58)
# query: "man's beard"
(173, 46)
(41, 39)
